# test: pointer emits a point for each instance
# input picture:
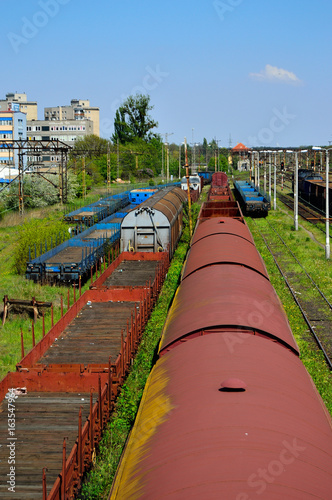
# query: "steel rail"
(303, 207)
(327, 358)
(299, 263)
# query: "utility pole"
(188, 189)
(117, 159)
(162, 160)
(20, 182)
(217, 141)
(180, 160)
(167, 157)
(193, 152)
(167, 164)
(108, 169)
(83, 177)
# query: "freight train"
(253, 200)
(72, 261)
(312, 188)
(64, 390)
(229, 410)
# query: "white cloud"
(274, 74)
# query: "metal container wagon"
(138, 196)
(219, 179)
(206, 176)
(253, 200)
(156, 224)
(220, 189)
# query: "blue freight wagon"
(254, 201)
(206, 176)
(137, 196)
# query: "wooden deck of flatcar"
(133, 273)
(68, 255)
(93, 336)
(42, 420)
(99, 233)
(83, 215)
(117, 220)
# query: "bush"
(38, 235)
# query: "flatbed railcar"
(70, 261)
(114, 202)
(99, 210)
(65, 388)
(253, 200)
(73, 259)
(229, 410)
(88, 215)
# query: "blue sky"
(258, 70)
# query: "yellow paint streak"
(153, 411)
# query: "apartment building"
(19, 102)
(12, 127)
(65, 123)
(67, 131)
(79, 109)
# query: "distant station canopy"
(242, 150)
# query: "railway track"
(308, 214)
(313, 303)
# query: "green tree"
(204, 148)
(132, 120)
(223, 163)
(90, 146)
